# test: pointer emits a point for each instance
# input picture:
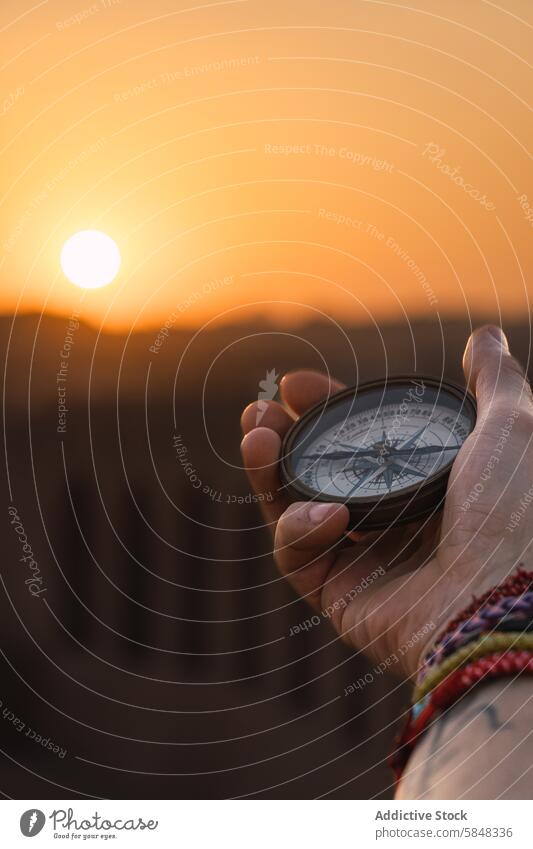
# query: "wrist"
(491, 638)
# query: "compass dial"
(381, 448)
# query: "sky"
(359, 160)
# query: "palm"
(399, 603)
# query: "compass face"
(378, 442)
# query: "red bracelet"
(490, 666)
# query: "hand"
(426, 571)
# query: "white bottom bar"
(266, 824)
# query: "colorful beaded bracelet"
(516, 606)
(486, 644)
(515, 585)
(513, 594)
(455, 641)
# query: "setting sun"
(90, 259)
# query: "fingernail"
(319, 512)
(498, 334)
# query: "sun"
(90, 259)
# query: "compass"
(385, 449)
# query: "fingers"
(260, 451)
(300, 390)
(306, 530)
(305, 545)
(265, 423)
(493, 375)
(266, 414)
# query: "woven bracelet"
(486, 644)
(515, 585)
(515, 590)
(522, 620)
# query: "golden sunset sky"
(361, 159)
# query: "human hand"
(428, 570)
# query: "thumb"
(494, 376)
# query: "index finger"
(302, 389)
(260, 451)
(261, 446)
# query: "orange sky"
(359, 158)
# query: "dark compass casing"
(406, 504)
